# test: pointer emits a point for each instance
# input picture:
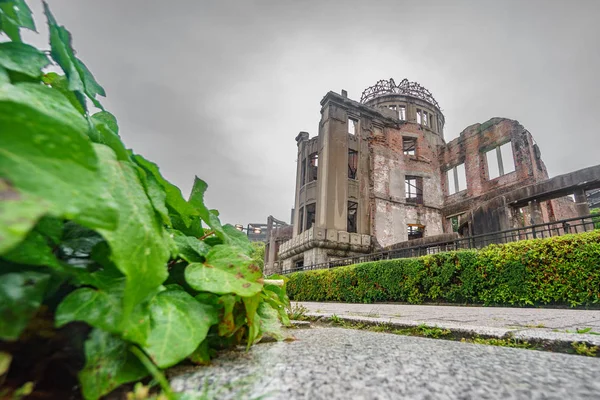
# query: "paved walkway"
(336, 363)
(523, 323)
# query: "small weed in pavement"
(585, 350)
(510, 342)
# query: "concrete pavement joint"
(542, 339)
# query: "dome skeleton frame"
(386, 87)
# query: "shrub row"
(560, 270)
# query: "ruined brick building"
(379, 173)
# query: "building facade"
(379, 173)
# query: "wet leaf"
(23, 58)
(226, 270)
(174, 198)
(15, 14)
(21, 295)
(109, 364)
(138, 247)
(179, 324)
(190, 248)
(79, 77)
(47, 163)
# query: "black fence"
(550, 229)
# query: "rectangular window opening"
(352, 126)
(352, 214)
(352, 163)
(310, 215)
(500, 161)
(419, 116)
(415, 231)
(300, 220)
(508, 160)
(456, 178)
(409, 146)
(425, 119)
(414, 189)
(402, 113)
(313, 167)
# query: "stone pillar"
(581, 204)
(535, 212)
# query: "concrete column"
(581, 204)
(332, 181)
(535, 212)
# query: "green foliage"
(584, 350)
(509, 342)
(258, 254)
(596, 218)
(100, 256)
(561, 270)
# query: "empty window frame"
(352, 216)
(456, 177)
(300, 220)
(415, 231)
(303, 172)
(352, 126)
(352, 163)
(413, 186)
(500, 161)
(310, 215)
(409, 146)
(425, 119)
(313, 166)
(419, 119)
(402, 113)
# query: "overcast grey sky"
(220, 89)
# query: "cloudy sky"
(220, 89)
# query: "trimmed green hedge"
(561, 270)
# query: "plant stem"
(154, 371)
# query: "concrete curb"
(547, 338)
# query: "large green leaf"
(109, 364)
(227, 323)
(238, 238)
(226, 270)
(104, 130)
(60, 83)
(20, 296)
(179, 324)
(23, 58)
(34, 250)
(103, 308)
(15, 14)
(269, 321)
(96, 307)
(156, 194)
(197, 201)
(80, 78)
(174, 198)
(190, 248)
(47, 163)
(252, 319)
(138, 246)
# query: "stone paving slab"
(337, 363)
(557, 325)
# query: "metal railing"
(558, 228)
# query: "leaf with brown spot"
(222, 279)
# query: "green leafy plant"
(558, 270)
(508, 342)
(585, 350)
(297, 311)
(107, 274)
